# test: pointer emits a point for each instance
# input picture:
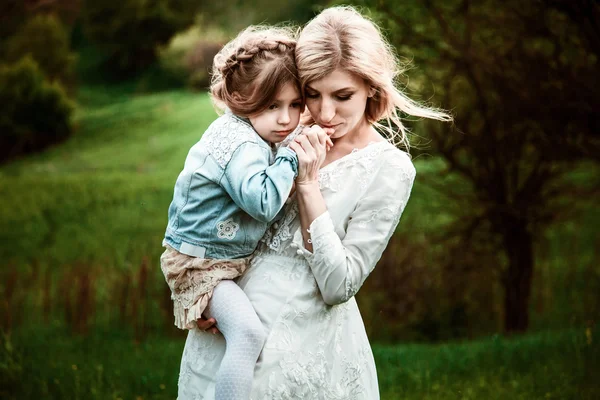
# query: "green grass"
(51, 364)
(120, 168)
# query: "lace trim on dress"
(283, 232)
(365, 158)
(308, 374)
(196, 358)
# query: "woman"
(313, 261)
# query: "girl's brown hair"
(250, 70)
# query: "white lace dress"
(316, 347)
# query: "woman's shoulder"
(393, 160)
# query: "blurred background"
(490, 288)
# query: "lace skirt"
(192, 281)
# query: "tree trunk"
(517, 279)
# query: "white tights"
(244, 335)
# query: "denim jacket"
(231, 187)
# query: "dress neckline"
(354, 152)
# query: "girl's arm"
(255, 186)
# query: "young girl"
(232, 186)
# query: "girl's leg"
(244, 335)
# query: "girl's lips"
(283, 133)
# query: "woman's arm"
(310, 206)
(340, 266)
(311, 149)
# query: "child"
(232, 186)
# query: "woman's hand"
(207, 325)
(311, 147)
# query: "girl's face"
(282, 117)
(338, 101)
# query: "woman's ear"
(372, 91)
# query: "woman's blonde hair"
(250, 70)
(341, 37)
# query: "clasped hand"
(311, 147)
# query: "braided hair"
(250, 70)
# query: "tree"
(234, 15)
(35, 113)
(14, 13)
(522, 81)
(130, 31)
(46, 40)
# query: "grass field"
(49, 363)
(89, 315)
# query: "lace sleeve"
(341, 266)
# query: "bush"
(199, 63)
(45, 39)
(130, 31)
(189, 55)
(35, 113)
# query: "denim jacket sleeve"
(255, 186)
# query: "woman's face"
(338, 101)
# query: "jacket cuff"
(291, 156)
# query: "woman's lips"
(329, 126)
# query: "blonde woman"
(305, 273)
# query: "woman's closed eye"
(338, 97)
(344, 97)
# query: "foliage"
(517, 77)
(11, 367)
(130, 31)
(234, 15)
(14, 13)
(199, 63)
(44, 38)
(190, 54)
(35, 113)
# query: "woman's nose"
(327, 111)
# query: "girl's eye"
(296, 105)
(272, 106)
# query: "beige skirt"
(192, 281)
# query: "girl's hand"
(311, 147)
(207, 325)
